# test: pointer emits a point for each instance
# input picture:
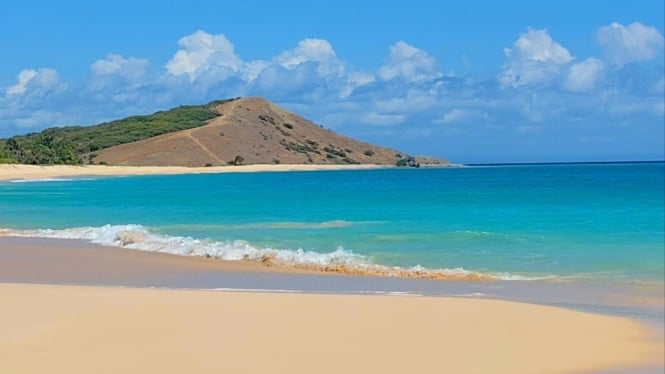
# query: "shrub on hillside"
(65, 145)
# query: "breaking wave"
(339, 261)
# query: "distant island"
(240, 131)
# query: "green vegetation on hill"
(4, 154)
(67, 145)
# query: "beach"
(169, 273)
(20, 171)
(72, 312)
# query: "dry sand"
(14, 171)
(79, 329)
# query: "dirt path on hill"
(190, 135)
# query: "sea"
(595, 226)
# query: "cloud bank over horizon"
(541, 101)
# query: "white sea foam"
(343, 261)
(388, 293)
(138, 237)
(517, 277)
(476, 294)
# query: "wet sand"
(51, 327)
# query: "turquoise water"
(601, 221)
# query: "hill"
(66, 145)
(237, 131)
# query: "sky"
(470, 81)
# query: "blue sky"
(472, 81)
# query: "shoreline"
(72, 306)
(10, 172)
(78, 261)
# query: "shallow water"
(570, 221)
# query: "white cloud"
(538, 45)
(584, 76)
(374, 118)
(277, 81)
(208, 60)
(310, 50)
(409, 63)
(632, 43)
(355, 80)
(534, 58)
(40, 81)
(311, 66)
(312, 80)
(130, 68)
(319, 53)
(453, 116)
(415, 100)
(200, 52)
(463, 115)
(25, 76)
(253, 69)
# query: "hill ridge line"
(247, 131)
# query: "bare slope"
(251, 131)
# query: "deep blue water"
(602, 221)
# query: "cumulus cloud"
(39, 81)
(626, 44)
(355, 80)
(118, 74)
(278, 82)
(408, 62)
(584, 75)
(311, 68)
(534, 58)
(312, 50)
(201, 52)
(210, 60)
(311, 62)
(407, 90)
(130, 68)
(23, 78)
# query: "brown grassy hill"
(251, 131)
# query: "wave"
(340, 261)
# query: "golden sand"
(17, 171)
(77, 329)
